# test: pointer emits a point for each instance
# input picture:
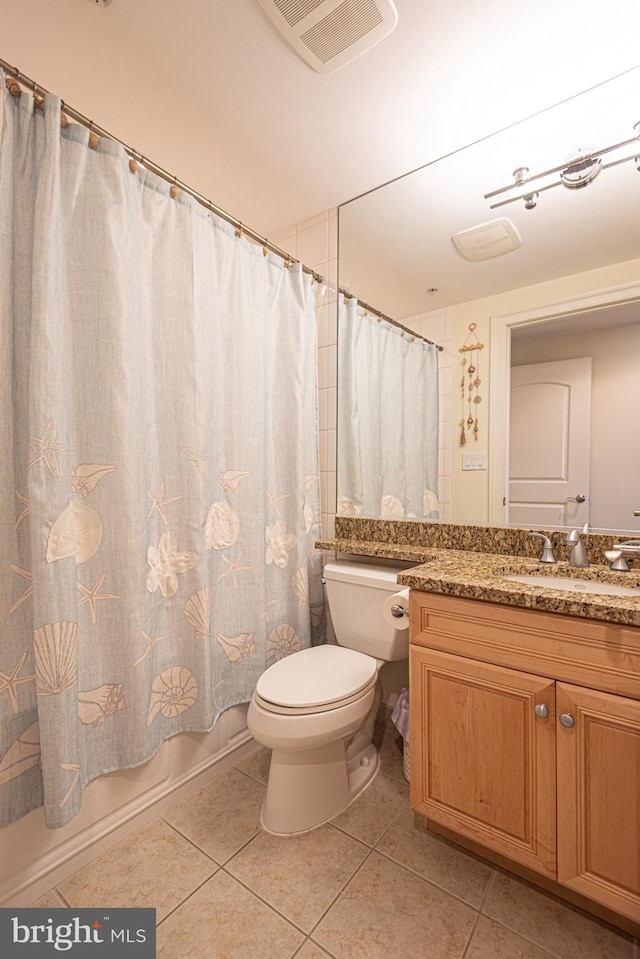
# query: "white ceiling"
(396, 250)
(209, 90)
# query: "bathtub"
(33, 858)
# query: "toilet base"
(309, 788)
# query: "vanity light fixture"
(575, 173)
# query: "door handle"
(567, 720)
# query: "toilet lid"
(316, 677)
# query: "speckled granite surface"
(477, 569)
(480, 539)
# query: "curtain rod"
(388, 319)
(241, 229)
(148, 164)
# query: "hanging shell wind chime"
(470, 385)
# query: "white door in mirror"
(549, 443)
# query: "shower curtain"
(160, 487)
(387, 419)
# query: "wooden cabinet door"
(482, 761)
(599, 797)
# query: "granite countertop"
(481, 575)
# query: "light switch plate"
(474, 461)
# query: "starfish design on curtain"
(150, 644)
(92, 596)
(198, 459)
(166, 561)
(46, 448)
(12, 681)
(28, 591)
(274, 499)
(159, 503)
(269, 602)
(234, 568)
(25, 511)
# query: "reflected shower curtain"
(159, 486)
(387, 420)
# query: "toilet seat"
(316, 680)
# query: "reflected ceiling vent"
(487, 240)
(329, 33)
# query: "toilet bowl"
(316, 709)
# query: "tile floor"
(370, 885)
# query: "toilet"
(316, 709)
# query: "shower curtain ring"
(93, 137)
(37, 99)
(13, 85)
(174, 191)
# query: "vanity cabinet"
(525, 740)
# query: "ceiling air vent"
(487, 240)
(329, 33)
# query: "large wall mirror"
(567, 289)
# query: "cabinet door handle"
(567, 720)
(541, 710)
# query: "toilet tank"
(356, 593)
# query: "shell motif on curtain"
(160, 482)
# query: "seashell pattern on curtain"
(159, 496)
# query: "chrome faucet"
(578, 556)
(547, 555)
(620, 552)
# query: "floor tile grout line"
(342, 891)
(188, 897)
(323, 949)
(480, 914)
(472, 933)
(64, 899)
(369, 850)
(209, 855)
(257, 895)
(538, 945)
(250, 776)
(431, 882)
(365, 842)
(401, 809)
(571, 907)
(490, 884)
(191, 842)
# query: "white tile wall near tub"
(315, 243)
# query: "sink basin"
(585, 586)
